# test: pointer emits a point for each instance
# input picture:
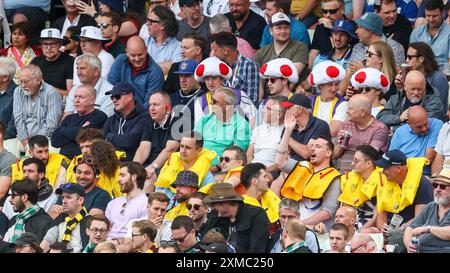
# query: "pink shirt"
(243, 47)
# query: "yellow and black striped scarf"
(72, 223)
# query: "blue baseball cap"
(121, 88)
(187, 67)
(391, 158)
(345, 26)
(372, 22)
(71, 188)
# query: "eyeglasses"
(354, 249)
(441, 186)
(103, 25)
(272, 80)
(50, 45)
(195, 206)
(330, 11)
(150, 21)
(370, 53)
(181, 240)
(119, 96)
(412, 56)
(226, 158)
(124, 206)
(96, 230)
(166, 243)
(134, 235)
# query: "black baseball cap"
(120, 88)
(391, 158)
(297, 99)
(71, 188)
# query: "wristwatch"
(429, 228)
(155, 166)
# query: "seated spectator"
(215, 73)
(91, 41)
(71, 48)
(294, 237)
(7, 87)
(244, 22)
(31, 217)
(266, 137)
(125, 128)
(34, 169)
(20, 52)
(37, 106)
(308, 12)
(215, 237)
(133, 205)
(344, 37)
(6, 161)
(417, 138)
(193, 47)
(59, 247)
(363, 129)
(27, 243)
(85, 116)
(338, 237)
(162, 44)
(72, 17)
(89, 70)
(328, 105)
(195, 21)
(421, 57)
(70, 226)
(192, 156)
(138, 69)
(251, 232)
(363, 243)
(442, 151)
(183, 232)
(431, 225)
(55, 164)
(110, 24)
(299, 32)
(157, 140)
(279, 81)
(197, 210)
(106, 247)
(409, 10)
(395, 112)
(96, 199)
(230, 167)
(143, 236)
(169, 247)
(97, 229)
(244, 71)
(223, 127)
(406, 191)
(373, 83)
(56, 67)
(307, 126)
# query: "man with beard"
(417, 138)
(194, 22)
(31, 217)
(121, 210)
(97, 229)
(72, 18)
(197, 210)
(96, 199)
(245, 23)
(395, 112)
(432, 225)
(37, 106)
(34, 169)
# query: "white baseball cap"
(51, 33)
(91, 32)
(279, 18)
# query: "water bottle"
(416, 243)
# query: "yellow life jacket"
(352, 186)
(303, 182)
(269, 202)
(174, 165)
(176, 211)
(51, 169)
(239, 188)
(392, 197)
(109, 184)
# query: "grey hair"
(7, 67)
(34, 70)
(287, 203)
(219, 23)
(230, 95)
(88, 87)
(92, 60)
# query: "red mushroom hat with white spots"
(212, 66)
(370, 77)
(325, 72)
(279, 68)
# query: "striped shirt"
(245, 77)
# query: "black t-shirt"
(401, 29)
(56, 72)
(158, 135)
(95, 199)
(251, 30)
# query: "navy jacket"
(6, 110)
(126, 133)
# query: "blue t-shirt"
(407, 8)
(299, 33)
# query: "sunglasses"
(272, 80)
(330, 11)
(124, 206)
(181, 240)
(370, 53)
(103, 25)
(119, 96)
(195, 206)
(363, 90)
(226, 158)
(441, 186)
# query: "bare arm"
(430, 155)
(282, 153)
(171, 146)
(143, 152)
(5, 182)
(437, 164)
(442, 233)
(358, 6)
(250, 152)
(307, 9)
(335, 126)
(313, 53)
(381, 220)
(321, 216)
(300, 149)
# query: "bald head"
(418, 120)
(363, 243)
(415, 86)
(136, 41)
(360, 101)
(136, 52)
(347, 216)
